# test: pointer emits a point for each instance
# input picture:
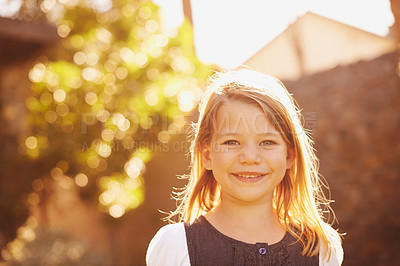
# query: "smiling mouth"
(249, 177)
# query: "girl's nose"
(249, 155)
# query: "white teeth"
(249, 176)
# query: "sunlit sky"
(227, 32)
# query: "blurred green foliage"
(42, 246)
(116, 85)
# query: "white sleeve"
(168, 247)
(336, 257)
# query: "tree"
(115, 85)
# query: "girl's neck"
(244, 221)
(259, 213)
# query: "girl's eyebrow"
(273, 134)
(223, 134)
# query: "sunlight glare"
(186, 101)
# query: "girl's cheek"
(225, 153)
(223, 149)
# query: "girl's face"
(247, 156)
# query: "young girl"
(254, 195)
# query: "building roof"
(20, 39)
(314, 43)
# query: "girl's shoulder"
(336, 255)
(168, 246)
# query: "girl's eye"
(267, 143)
(231, 142)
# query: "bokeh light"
(103, 35)
(56, 173)
(91, 98)
(121, 73)
(109, 79)
(46, 98)
(38, 184)
(134, 167)
(59, 95)
(63, 30)
(109, 89)
(50, 116)
(164, 136)
(151, 97)
(103, 149)
(127, 55)
(186, 101)
(80, 58)
(33, 199)
(66, 182)
(31, 142)
(77, 41)
(152, 26)
(107, 135)
(36, 74)
(26, 233)
(92, 59)
(153, 74)
(62, 109)
(93, 161)
(90, 74)
(103, 115)
(117, 210)
(81, 179)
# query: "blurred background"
(97, 97)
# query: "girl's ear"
(291, 154)
(206, 157)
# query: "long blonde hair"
(298, 200)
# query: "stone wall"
(354, 113)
